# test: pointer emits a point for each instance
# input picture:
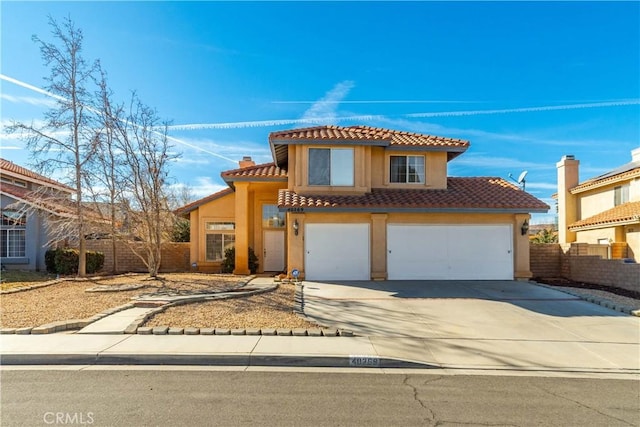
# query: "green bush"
(65, 261)
(50, 260)
(229, 261)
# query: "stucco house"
(361, 203)
(24, 235)
(603, 210)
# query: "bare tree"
(105, 170)
(146, 153)
(66, 140)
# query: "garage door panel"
(337, 252)
(454, 252)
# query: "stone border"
(298, 332)
(31, 287)
(63, 279)
(64, 325)
(595, 300)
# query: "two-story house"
(361, 203)
(24, 233)
(601, 210)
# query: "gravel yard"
(269, 310)
(69, 300)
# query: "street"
(117, 397)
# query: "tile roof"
(195, 205)
(11, 167)
(625, 213)
(626, 172)
(58, 205)
(363, 135)
(263, 171)
(366, 133)
(481, 193)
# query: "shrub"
(229, 261)
(50, 260)
(65, 261)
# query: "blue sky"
(227, 74)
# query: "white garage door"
(449, 252)
(337, 252)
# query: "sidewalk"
(292, 351)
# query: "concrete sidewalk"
(291, 351)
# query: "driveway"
(507, 321)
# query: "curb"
(595, 300)
(243, 359)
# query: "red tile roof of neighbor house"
(49, 202)
(365, 133)
(632, 171)
(195, 205)
(622, 214)
(11, 167)
(481, 193)
(263, 171)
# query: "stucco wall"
(595, 201)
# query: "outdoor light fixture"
(295, 227)
(525, 227)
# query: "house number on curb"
(356, 360)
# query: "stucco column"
(379, 246)
(295, 243)
(242, 228)
(521, 260)
(567, 204)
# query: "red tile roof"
(365, 133)
(610, 179)
(50, 202)
(263, 171)
(481, 193)
(29, 175)
(362, 135)
(625, 213)
(195, 205)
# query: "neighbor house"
(604, 210)
(361, 203)
(24, 234)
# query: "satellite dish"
(522, 177)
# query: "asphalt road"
(224, 398)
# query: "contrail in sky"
(53, 95)
(371, 117)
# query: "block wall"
(175, 256)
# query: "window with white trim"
(406, 169)
(219, 237)
(13, 234)
(331, 166)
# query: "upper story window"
(331, 166)
(272, 217)
(620, 194)
(404, 169)
(13, 181)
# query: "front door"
(273, 253)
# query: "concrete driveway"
(498, 321)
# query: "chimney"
(635, 155)
(246, 162)
(568, 177)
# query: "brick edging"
(595, 300)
